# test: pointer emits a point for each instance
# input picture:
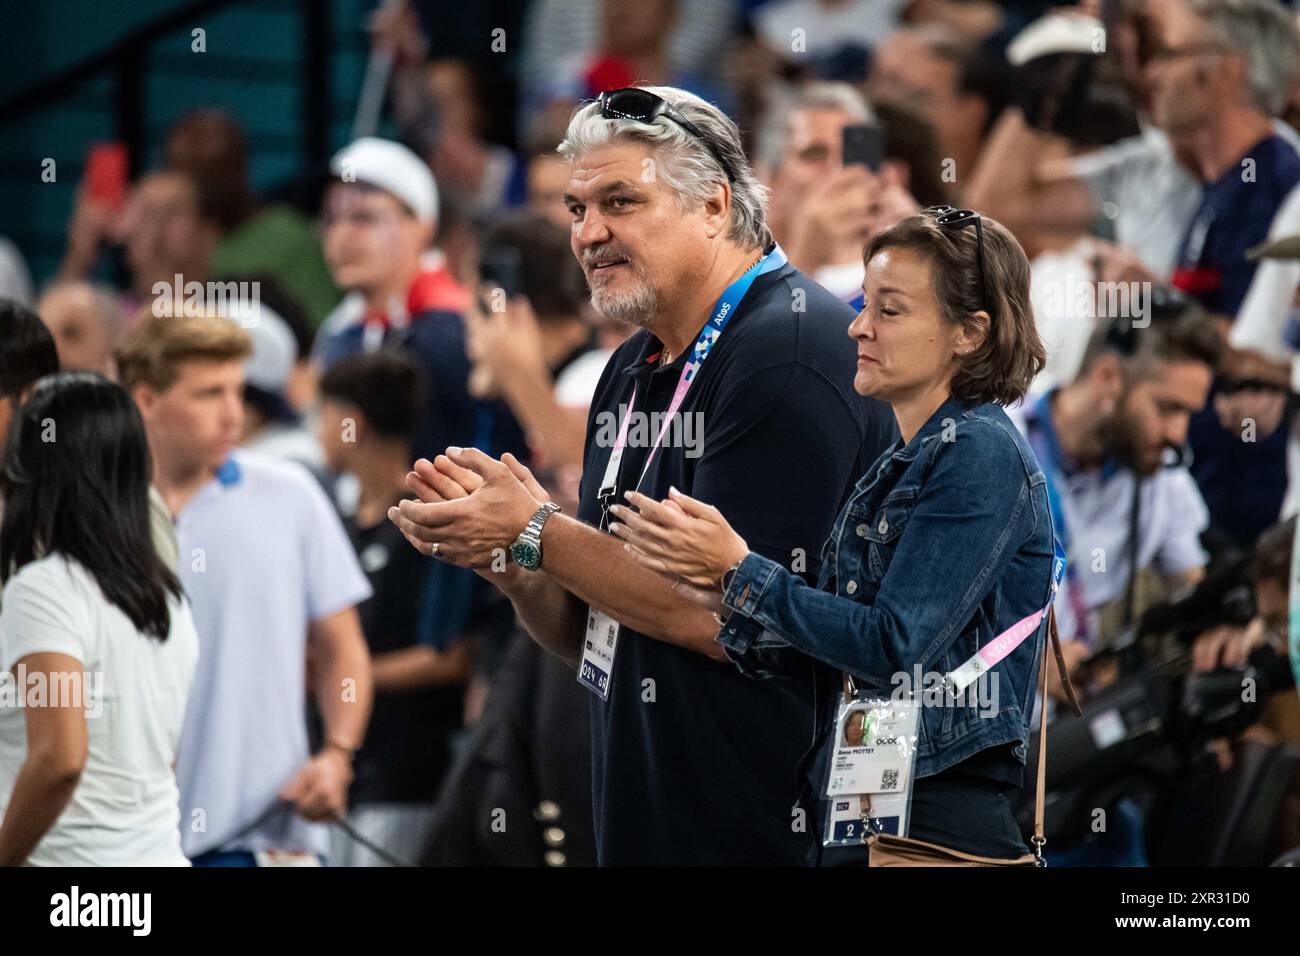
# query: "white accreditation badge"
(869, 786)
(598, 646)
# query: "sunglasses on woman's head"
(957, 219)
(642, 106)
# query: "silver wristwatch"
(527, 549)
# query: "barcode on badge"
(889, 780)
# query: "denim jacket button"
(851, 587)
(862, 530)
(883, 527)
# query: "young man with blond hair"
(272, 580)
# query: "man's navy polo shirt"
(700, 766)
(1235, 212)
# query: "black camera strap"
(1134, 516)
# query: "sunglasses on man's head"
(642, 106)
(957, 219)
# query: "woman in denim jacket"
(944, 543)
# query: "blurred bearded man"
(1106, 442)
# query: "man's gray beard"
(637, 307)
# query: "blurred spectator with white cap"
(271, 425)
(1145, 185)
(379, 218)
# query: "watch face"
(526, 554)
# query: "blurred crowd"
(291, 363)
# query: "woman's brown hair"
(1011, 355)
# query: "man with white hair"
(1225, 69)
(737, 390)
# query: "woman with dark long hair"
(97, 646)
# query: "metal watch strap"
(534, 529)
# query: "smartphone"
(106, 174)
(499, 267)
(864, 146)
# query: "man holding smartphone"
(831, 188)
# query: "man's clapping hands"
(471, 506)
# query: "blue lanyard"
(704, 342)
(726, 307)
(1043, 439)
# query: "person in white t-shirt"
(273, 579)
(97, 645)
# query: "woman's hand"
(685, 540)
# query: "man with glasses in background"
(1225, 69)
(692, 762)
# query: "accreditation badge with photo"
(869, 785)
